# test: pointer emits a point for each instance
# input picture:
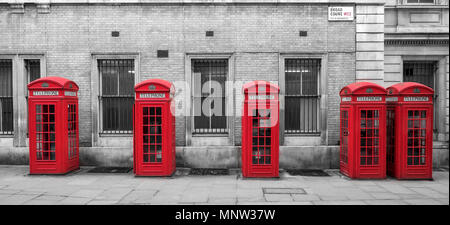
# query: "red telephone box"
(363, 130)
(154, 128)
(260, 130)
(410, 131)
(53, 125)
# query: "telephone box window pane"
(45, 132)
(6, 101)
(302, 96)
(117, 94)
(369, 141)
(209, 77)
(261, 138)
(416, 142)
(152, 134)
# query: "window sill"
(6, 135)
(115, 134)
(210, 135)
(302, 135)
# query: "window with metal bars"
(302, 96)
(6, 100)
(209, 77)
(116, 95)
(33, 69)
(422, 72)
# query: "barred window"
(423, 72)
(209, 76)
(302, 96)
(116, 95)
(6, 93)
(32, 69)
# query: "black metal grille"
(302, 96)
(209, 76)
(6, 101)
(422, 72)
(117, 94)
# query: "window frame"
(223, 139)
(301, 95)
(14, 128)
(26, 80)
(96, 109)
(320, 138)
(102, 97)
(225, 97)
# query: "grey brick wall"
(255, 34)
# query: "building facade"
(107, 47)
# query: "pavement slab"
(81, 188)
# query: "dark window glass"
(6, 101)
(209, 76)
(302, 96)
(33, 69)
(117, 94)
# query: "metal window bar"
(116, 95)
(423, 72)
(302, 96)
(205, 70)
(6, 100)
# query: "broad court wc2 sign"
(338, 13)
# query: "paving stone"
(332, 197)
(74, 201)
(278, 197)
(384, 195)
(373, 188)
(113, 194)
(386, 202)
(429, 192)
(422, 201)
(305, 198)
(102, 202)
(222, 201)
(45, 200)
(17, 199)
(138, 197)
(87, 193)
(339, 203)
(396, 188)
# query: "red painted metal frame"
(411, 152)
(154, 129)
(53, 126)
(365, 149)
(269, 156)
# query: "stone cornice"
(376, 2)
